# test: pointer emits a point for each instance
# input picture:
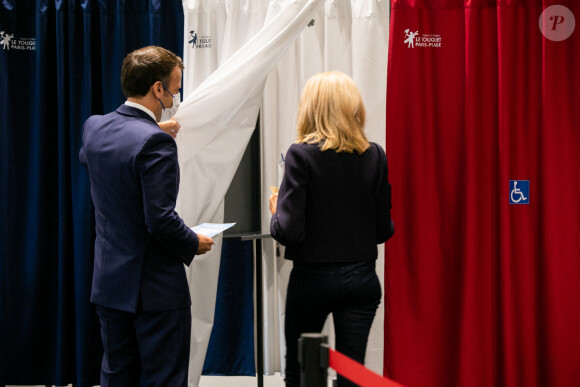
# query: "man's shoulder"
(123, 112)
(119, 117)
(125, 129)
(100, 119)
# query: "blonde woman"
(332, 209)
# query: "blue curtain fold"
(230, 350)
(60, 63)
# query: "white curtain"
(230, 46)
(352, 37)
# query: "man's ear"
(157, 89)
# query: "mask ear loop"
(161, 91)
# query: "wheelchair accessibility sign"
(519, 192)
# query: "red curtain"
(478, 291)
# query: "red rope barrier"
(356, 372)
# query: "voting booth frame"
(242, 201)
(241, 267)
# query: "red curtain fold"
(480, 292)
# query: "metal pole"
(259, 314)
(257, 247)
(313, 358)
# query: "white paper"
(211, 229)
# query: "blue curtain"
(230, 350)
(59, 63)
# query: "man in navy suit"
(139, 281)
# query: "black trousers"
(149, 345)
(351, 292)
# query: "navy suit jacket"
(141, 242)
(333, 206)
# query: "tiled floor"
(240, 381)
(233, 381)
(245, 381)
(227, 381)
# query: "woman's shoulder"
(305, 145)
(303, 148)
(376, 145)
(376, 149)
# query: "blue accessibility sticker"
(519, 192)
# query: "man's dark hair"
(144, 67)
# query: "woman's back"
(333, 206)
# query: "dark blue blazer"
(333, 206)
(141, 242)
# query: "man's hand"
(171, 127)
(205, 244)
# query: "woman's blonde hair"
(331, 112)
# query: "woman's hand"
(273, 202)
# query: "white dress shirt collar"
(141, 107)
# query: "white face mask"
(167, 114)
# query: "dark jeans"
(351, 292)
(149, 345)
